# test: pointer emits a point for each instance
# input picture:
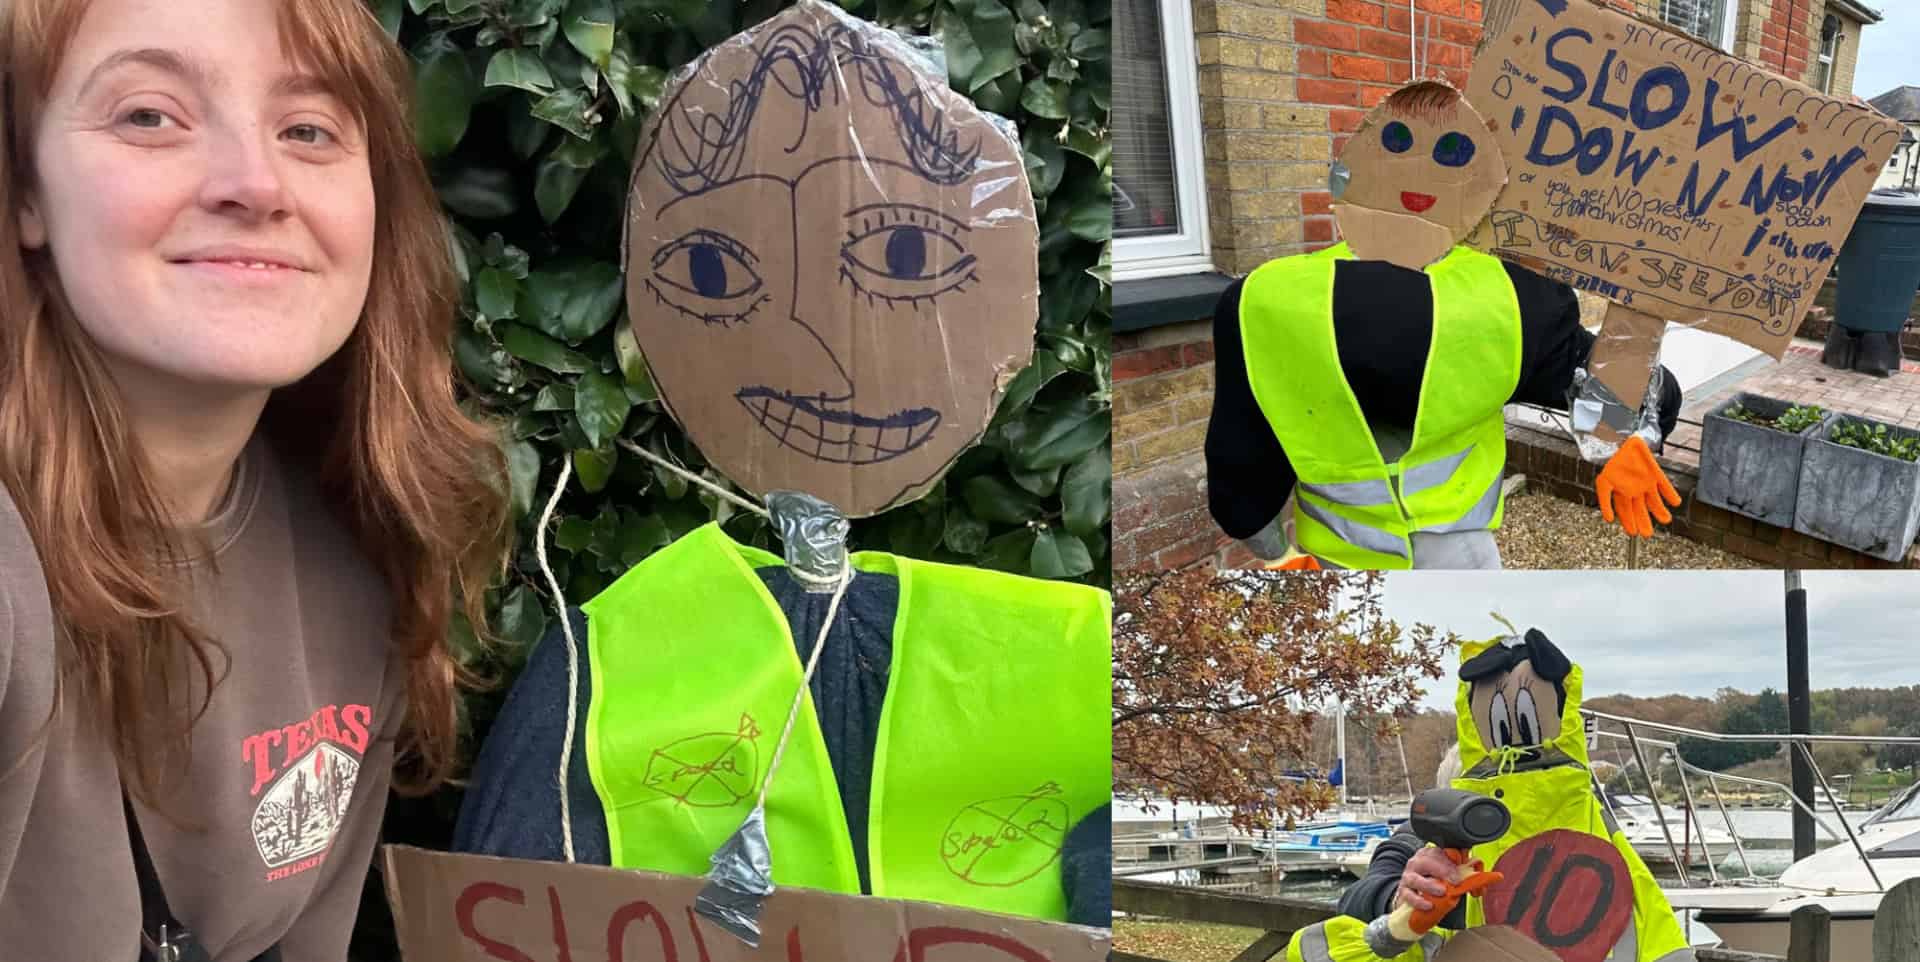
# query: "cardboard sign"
(1492, 943)
(832, 261)
(1672, 179)
(1422, 172)
(472, 908)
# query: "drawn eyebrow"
(167, 61)
(957, 225)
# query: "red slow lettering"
(470, 898)
(559, 926)
(933, 936)
(627, 915)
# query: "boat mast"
(1340, 748)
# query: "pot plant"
(1750, 455)
(1860, 486)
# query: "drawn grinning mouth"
(825, 430)
(1416, 202)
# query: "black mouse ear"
(1548, 661)
(1494, 661)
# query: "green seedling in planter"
(1796, 419)
(1877, 439)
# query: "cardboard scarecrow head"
(1517, 692)
(831, 260)
(1418, 175)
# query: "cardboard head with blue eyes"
(1419, 174)
(832, 260)
(1518, 691)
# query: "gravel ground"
(1542, 531)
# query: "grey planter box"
(1865, 501)
(1748, 469)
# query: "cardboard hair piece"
(832, 260)
(473, 908)
(1680, 183)
(1422, 171)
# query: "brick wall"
(1162, 395)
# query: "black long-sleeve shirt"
(1383, 329)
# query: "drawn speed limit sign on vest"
(1567, 890)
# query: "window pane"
(1702, 18)
(1145, 196)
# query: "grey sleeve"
(1372, 896)
(27, 676)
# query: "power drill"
(1455, 821)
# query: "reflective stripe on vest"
(976, 781)
(1313, 944)
(1355, 510)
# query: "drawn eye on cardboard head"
(1518, 692)
(831, 261)
(1419, 174)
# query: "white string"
(694, 478)
(813, 661)
(573, 653)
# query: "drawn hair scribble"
(697, 150)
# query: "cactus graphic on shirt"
(301, 813)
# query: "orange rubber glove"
(1632, 485)
(1295, 561)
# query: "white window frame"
(1729, 23)
(1188, 251)
(1824, 56)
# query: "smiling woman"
(240, 499)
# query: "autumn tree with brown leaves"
(1218, 678)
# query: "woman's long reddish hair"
(421, 486)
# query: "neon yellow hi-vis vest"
(1352, 508)
(1554, 798)
(1343, 939)
(995, 735)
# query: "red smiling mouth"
(1416, 202)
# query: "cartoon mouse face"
(1423, 170)
(1518, 692)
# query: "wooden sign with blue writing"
(1664, 175)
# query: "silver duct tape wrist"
(1269, 543)
(1591, 403)
(1381, 940)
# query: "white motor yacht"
(1755, 919)
(1697, 841)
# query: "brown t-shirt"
(290, 764)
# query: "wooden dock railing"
(1896, 926)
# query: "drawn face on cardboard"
(1422, 170)
(1517, 697)
(831, 262)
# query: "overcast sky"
(1691, 632)
(1887, 49)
